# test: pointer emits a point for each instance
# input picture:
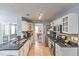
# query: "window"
(13, 28)
(6, 29)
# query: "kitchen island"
(18, 47)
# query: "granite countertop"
(60, 43)
(13, 45)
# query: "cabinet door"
(73, 24)
(21, 51)
(26, 48)
(31, 40)
(69, 51)
(49, 43)
(24, 26)
(58, 50)
(65, 24)
(70, 23)
(30, 26)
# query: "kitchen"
(59, 31)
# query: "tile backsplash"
(74, 39)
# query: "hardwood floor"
(39, 49)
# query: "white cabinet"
(58, 51)
(56, 24)
(49, 43)
(27, 26)
(72, 51)
(70, 23)
(21, 52)
(30, 25)
(24, 25)
(9, 53)
(24, 49)
(65, 51)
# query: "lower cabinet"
(24, 49)
(20, 53)
(9, 53)
(58, 51)
(49, 43)
(65, 51)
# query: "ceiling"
(32, 10)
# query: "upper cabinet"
(24, 26)
(70, 23)
(56, 25)
(30, 26)
(66, 24)
(27, 26)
